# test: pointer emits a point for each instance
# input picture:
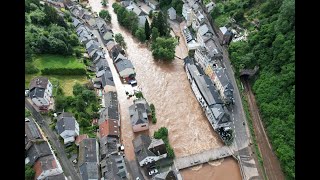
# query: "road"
(67, 165)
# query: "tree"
(155, 33)
(29, 172)
(164, 48)
(104, 14)
(151, 14)
(140, 34)
(170, 152)
(37, 17)
(119, 39)
(160, 22)
(104, 3)
(77, 89)
(161, 133)
(147, 30)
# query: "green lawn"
(56, 61)
(66, 82)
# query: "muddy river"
(167, 87)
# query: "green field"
(56, 61)
(66, 82)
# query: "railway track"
(270, 161)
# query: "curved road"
(67, 165)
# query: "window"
(143, 125)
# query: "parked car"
(152, 172)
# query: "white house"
(187, 14)
(172, 13)
(148, 150)
(67, 127)
(210, 6)
(40, 92)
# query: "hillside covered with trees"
(271, 46)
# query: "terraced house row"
(103, 158)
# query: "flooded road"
(167, 87)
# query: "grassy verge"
(65, 82)
(249, 122)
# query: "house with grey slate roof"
(40, 92)
(148, 150)
(224, 85)
(110, 112)
(32, 132)
(76, 22)
(91, 46)
(208, 96)
(88, 159)
(39, 148)
(108, 145)
(113, 167)
(139, 115)
(67, 127)
(125, 69)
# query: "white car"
(154, 171)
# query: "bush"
(161, 133)
(139, 95)
(63, 71)
(30, 68)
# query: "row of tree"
(162, 133)
(272, 47)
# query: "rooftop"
(39, 82)
(109, 128)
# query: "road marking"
(232, 110)
(233, 118)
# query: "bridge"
(249, 72)
(202, 157)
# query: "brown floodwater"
(167, 87)
(227, 170)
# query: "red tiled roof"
(43, 164)
(109, 127)
(80, 138)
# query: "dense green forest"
(271, 45)
(46, 32)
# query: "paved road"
(67, 165)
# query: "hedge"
(63, 71)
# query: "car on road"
(137, 178)
(133, 82)
(152, 172)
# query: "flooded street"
(167, 87)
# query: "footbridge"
(202, 157)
